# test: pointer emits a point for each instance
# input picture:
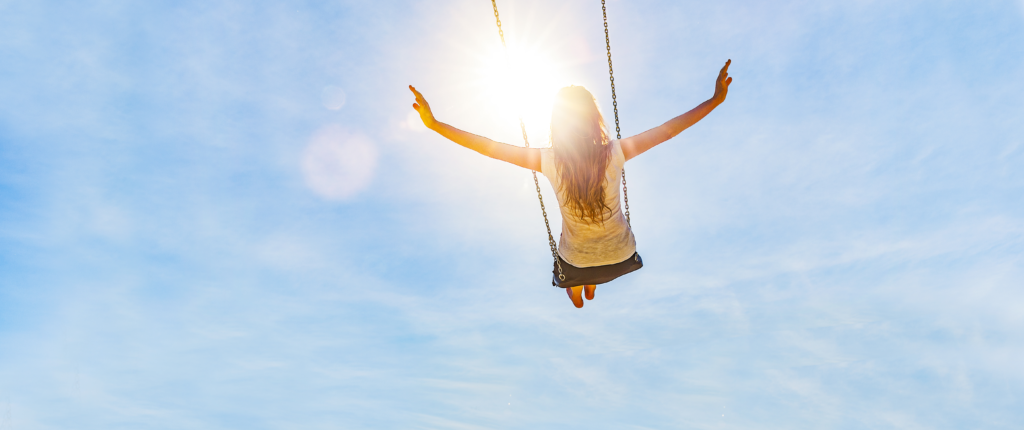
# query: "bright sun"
(525, 84)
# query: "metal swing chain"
(526, 140)
(615, 106)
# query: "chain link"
(615, 107)
(526, 140)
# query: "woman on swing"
(584, 166)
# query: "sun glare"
(522, 84)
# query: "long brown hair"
(582, 153)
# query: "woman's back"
(585, 243)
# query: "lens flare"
(338, 164)
(332, 97)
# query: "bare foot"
(574, 295)
(589, 291)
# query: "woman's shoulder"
(617, 155)
(547, 160)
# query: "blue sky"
(839, 245)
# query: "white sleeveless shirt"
(589, 245)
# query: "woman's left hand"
(423, 108)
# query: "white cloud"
(784, 288)
(338, 164)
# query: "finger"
(728, 81)
(416, 106)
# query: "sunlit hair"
(582, 153)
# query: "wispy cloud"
(838, 245)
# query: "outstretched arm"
(528, 158)
(636, 145)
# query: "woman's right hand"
(423, 108)
(722, 84)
